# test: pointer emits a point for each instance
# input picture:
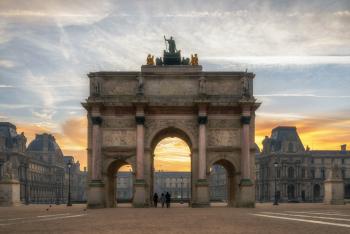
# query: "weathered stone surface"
(202, 108)
(119, 138)
(115, 122)
(224, 123)
(9, 193)
(224, 138)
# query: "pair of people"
(164, 199)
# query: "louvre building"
(41, 168)
(297, 172)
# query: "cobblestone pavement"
(266, 218)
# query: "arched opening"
(347, 191)
(172, 166)
(222, 184)
(119, 184)
(124, 186)
(317, 192)
(290, 191)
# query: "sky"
(299, 51)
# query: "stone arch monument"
(130, 112)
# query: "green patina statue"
(172, 45)
(171, 56)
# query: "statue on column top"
(246, 86)
(172, 45)
(150, 59)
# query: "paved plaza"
(285, 218)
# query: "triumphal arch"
(129, 112)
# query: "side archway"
(111, 171)
(231, 180)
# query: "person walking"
(167, 199)
(155, 200)
(162, 200)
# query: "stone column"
(140, 184)
(202, 145)
(96, 148)
(202, 186)
(245, 144)
(96, 198)
(247, 191)
(140, 135)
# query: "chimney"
(343, 147)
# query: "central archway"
(175, 179)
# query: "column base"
(10, 193)
(202, 194)
(139, 200)
(246, 197)
(96, 195)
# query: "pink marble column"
(140, 135)
(245, 144)
(202, 142)
(96, 148)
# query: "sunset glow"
(302, 75)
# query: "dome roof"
(44, 142)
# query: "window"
(278, 172)
(303, 173)
(312, 171)
(290, 172)
(323, 175)
(290, 147)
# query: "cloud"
(6, 63)
(301, 95)
(325, 132)
(6, 86)
(71, 137)
(172, 154)
(65, 12)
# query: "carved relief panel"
(119, 138)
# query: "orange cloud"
(172, 154)
(72, 140)
(323, 133)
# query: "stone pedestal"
(334, 192)
(247, 194)
(96, 195)
(139, 200)
(202, 194)
(10, 193)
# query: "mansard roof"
(12, 138)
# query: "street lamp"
(275, 164)
(69, 203)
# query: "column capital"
(245, 119)
(96, 120)
(140, 120)
(202, 119)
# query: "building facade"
(40, 168)
(178, 184)
(297, 172)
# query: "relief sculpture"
(223, 138)
(119, 138)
